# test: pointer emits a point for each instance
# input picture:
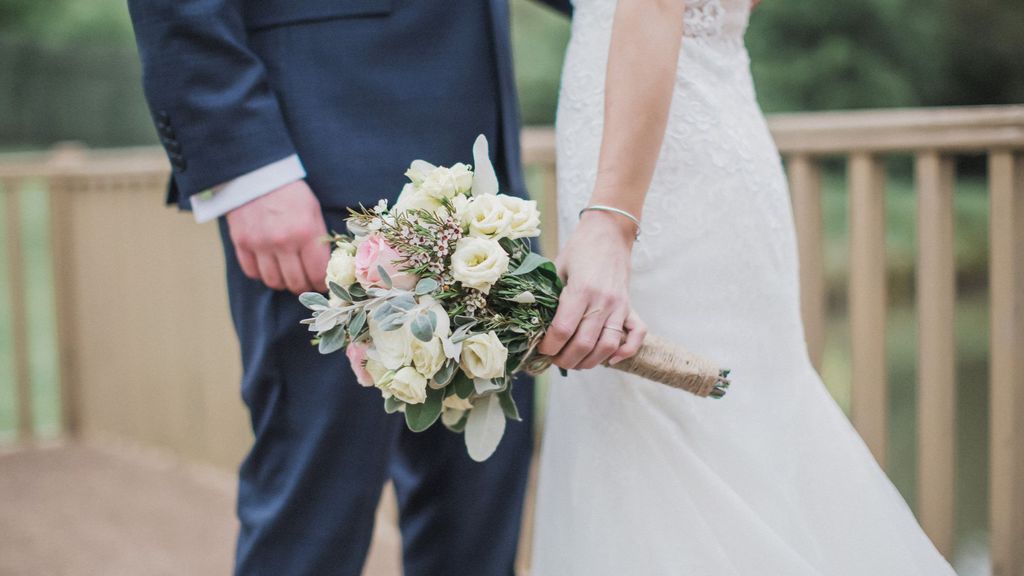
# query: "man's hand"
(280, 239)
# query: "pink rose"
(375, 251)
(356, 352)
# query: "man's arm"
(219, 120)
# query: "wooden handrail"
(80, 180)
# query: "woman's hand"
(595, 322)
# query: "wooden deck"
(72, 509)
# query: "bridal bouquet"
(439, 301)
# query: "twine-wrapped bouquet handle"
(665, 362)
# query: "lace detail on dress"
(703, 18)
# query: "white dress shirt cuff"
(222, 199)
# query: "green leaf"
(357, 291)
(332, 340)
(355, 326)
(423, 326)
(463, 385)
(385, 277)
(426, 286)
(311, 299)
(392, 404)
(484, 428)
(419, 417)
(339, 292)
(508, 405)
(530, 263)
(446, 373)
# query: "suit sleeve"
(214, 110)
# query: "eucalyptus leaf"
(484, 428)
(385, 277)
(340, 292)
(313, 300)
(508, 405)
(463, 385)
(404, 301)
(332, 340)
(422, 327)
(381, 311)
(357, 291)
(446, 373)
(484, 385)
(529, 264)
(355, 326)
(426, 286)
(392, 404)
(419, 417)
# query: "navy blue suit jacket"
(357, 88)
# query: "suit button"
(173, 146)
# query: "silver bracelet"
(613, 210)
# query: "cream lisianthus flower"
(442, 182)
(428, 357)
(478, 262)
(487, 217)
(341, 268)
(393, 348)
(408, 385)
(454, 409)
(484, 356)
(413, 198)
(525, 218)
(375, 369)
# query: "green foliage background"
(68, 68)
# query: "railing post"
(19, 320)
(805, 186)
(549, 212)
(870, 393)
(64, 160)
(1006, 418)
(936, 361)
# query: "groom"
(277, 115)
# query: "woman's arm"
(594, 309)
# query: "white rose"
(392, 348)
(412, 198)
(484, 356)
(487, 217)
(460, 202)
(428, 357)
(409, 386)
(341, 268)
(478, 262)
(525, 219)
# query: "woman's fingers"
(587, 335)
(636, 331)
(567, 319)
(608, 341)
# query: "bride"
(675, 212)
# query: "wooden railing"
(147, 352)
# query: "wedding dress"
(640, 479)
